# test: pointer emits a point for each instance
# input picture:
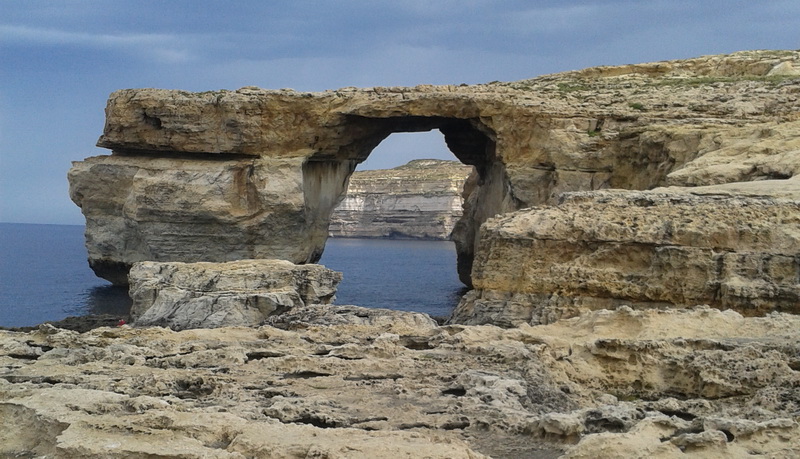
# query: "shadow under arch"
(486, 192)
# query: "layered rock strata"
(649, 249)
(255, 173)
(211, 295)
(639, 372)
(349, 382)
(419, 200)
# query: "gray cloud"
(61, 59)
(161, 47)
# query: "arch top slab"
(272, 123)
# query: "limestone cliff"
(419, 200)
(255, 173)
(646, 249)
(607, 354)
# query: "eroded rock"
(327, 315)
(238, 293)
(670, 247)
(605, 384)
(254, 173)
(626, 364)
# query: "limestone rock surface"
(605, 384)
(238, 293)
(258, 172)
(419, 200)
(327, 315)
(766, 152)
(663, 248)
(147, 208)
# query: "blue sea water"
(44, 275)
(396, 274)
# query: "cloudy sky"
(59, 59)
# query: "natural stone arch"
(470, 141)
(252, 173)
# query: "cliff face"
(421, 199)
(646, 249)
(256, 173)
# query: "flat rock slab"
(327, 315)
(620, 383)
(239, 293)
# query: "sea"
(44, 275)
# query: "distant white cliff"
(419, 200)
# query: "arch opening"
(486, 192)
(471, 141)
(410, 187)
(390, 235)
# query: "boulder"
(211, 295)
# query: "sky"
(60, 59)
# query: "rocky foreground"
(348, 382)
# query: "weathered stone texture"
(141, 208)
(632, 127)
(345, 382)
(649, 249)
(419, 200)
(238, 293)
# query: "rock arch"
(256, 174)
(252, 173)
(469, 140)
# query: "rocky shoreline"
(80, 324)
(344, 381)
(632, 235)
